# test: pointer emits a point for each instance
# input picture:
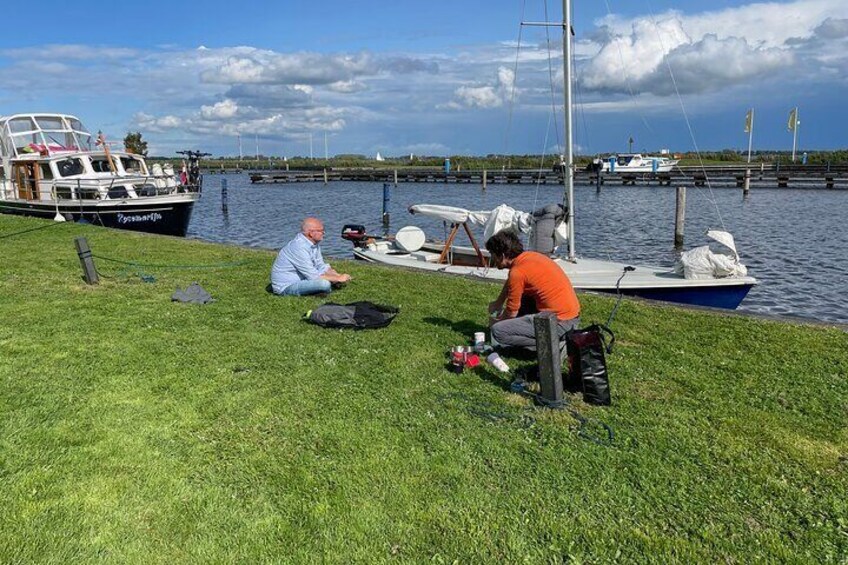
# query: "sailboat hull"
(654, 283)
(726, 297)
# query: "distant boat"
(379, 157)
(633, 163)
(50, 169)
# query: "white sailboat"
(716, 279)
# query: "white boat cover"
(704, 263)
(500, 218)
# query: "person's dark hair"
(506, 244)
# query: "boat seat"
(410, 239)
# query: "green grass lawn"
(137, 430)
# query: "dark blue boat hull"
(728, 297)
(165, 219)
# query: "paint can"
(457, 361)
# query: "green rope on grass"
(50, 225)
(160, 266)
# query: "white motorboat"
(708, 279)
(410, 248)
(623, 163)
(53, 168)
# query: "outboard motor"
(545, 222)
(356, 234)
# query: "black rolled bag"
(361, 315)
(587, 370)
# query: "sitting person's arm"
(329, 273)
(513, 290)
(335, 277)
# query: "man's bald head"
(313, 229)
(311, 223)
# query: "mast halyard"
(568, 171)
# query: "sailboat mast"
(750, 133)
(568, 171)
(795, 122)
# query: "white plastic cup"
(479, 341)
(495, 360)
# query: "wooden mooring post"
(746, 183)
(224, 199)
(485, 178)
(395, 177)
(325, 175)
(679, 217)
(387, 192)
(550, 360)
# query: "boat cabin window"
(70, 167)
(19, 125)
(101, 165)
(82, 134)
(88, 193)
(27, 143)
(133, 166)
(50, 122)
(118, 192)
(46, 171)
(60, 141)
(64, 192)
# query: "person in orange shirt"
(535, 284)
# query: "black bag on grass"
(588, 365)
(357, 315)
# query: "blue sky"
(432, 77)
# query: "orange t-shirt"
(537, 276)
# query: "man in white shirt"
(300, 268)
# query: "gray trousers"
(520, 331)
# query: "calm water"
(793, 241)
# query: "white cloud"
(347, 86)
(484, 96)
(708, 51)
(223, 110)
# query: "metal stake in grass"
(550, 362)
(89, 272)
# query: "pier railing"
(717, 176)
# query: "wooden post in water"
(325, 175)
(224, 206)
(746, 183)
(679, 217)
(550, 361)
(485, 178)
(89, 271)
(387, 191)
(395, 178)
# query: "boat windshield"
(43, 134)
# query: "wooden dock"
(796, 176)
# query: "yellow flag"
(749, 120)
(793, 119)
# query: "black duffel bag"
(587, 369)
(361, 315)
